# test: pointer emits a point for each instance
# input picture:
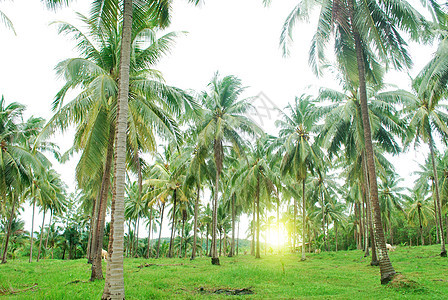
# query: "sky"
(233, 37)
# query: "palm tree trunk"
(31, 232)
(365, 184)
(237, 239)
(89, 242)
(93, 227)
(136, 239)
(215, 258)
(303, 219)
(8, 232)
(278, 219)
(421, 227)
(294, 228)
(323, 218)
(114, 285)
(195, 227)
(232, 245)
(173, 224)
(41, 236)
(336, 235)
(439, 206)
(257, 194)
(386, 268)
(149, 234)
(97, 271)
(48, 231)
(252, 244)
(160, 230)
(206, 239)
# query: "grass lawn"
(341, 275)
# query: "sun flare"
(277, 237)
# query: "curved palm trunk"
(257, 194)
(160, 230)
(303, 219)
(173, 225)
(386, 268)
(439, 206)
(114, 285)
(8, 232)
(97, 246)
(31, 232)
(195, 227)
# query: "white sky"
(233, 37)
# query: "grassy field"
(341, 275)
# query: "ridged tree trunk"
(31, 232)
(89, 241)
(218, 153)
(257, 195)
(93, 229)
(173, 224)
(436, 189)
(386, 268)
(8, 231)
(232, 244)
(41, 237)
(303, 219)
(365, 185)
(195, 227)
(160, 230)
(97, 246)
(114, 285)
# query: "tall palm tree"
(427, 116)
(362, 41)
(301, 154)
(223, 122)
(258, 178)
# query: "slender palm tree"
(223, 122)
(364, 42)
(301, 154)
(427, 116)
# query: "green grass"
(341, 275)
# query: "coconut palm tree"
(363, 42)
(419, 211)
(223, 122)
(427, 116)
(301, 154)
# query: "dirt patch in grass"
(227, 291)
